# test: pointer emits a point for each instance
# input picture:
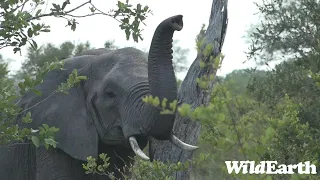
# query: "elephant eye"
(110, 94)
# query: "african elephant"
(104, 114)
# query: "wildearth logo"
(269, 167)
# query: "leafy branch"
(10, 130)
(18, 26)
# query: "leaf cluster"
(19, 25)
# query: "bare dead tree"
(190, 93)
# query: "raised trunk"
(161, 75)
(190, 93)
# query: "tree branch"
(103, 12)
(53, 13)
(88, 2)
(50, 95)
(82, 16)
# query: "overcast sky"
(98, 29)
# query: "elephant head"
(108, 107)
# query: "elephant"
(103, 114)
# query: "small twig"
(103, 12)
(40, 16)
(53, 13)
(6, 45)
(54, 92)
(46, 6)
(81, 16)
(78, 6)
(22, 6)
(66, 13)
(119, 157)
(18, 101)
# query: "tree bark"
(189, 92)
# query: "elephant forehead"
(125, 76)
(131, 54)
(130, 73)
(127, 55)
(134, 70)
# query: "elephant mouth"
(138, 141)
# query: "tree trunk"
(190, 93)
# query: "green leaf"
(33, 44)
(45, 30)
(51, 142)
(30, 32)
(28, 81)
(270, 132)
(202, 64)
(82, 78)
(56, 6)
(125, 20)
(38, 12)
(92, 9)
(21, 85)
(65, 3)
(35, 141)
(16, 49)
(46, 146)
(128, 33)
(37, 92)
(12, 98)
(45, 126)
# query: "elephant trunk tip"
(177, 22)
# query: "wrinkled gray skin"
(101, 113)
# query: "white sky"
(98, 29)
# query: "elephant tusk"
(176, 141)
(136, 149)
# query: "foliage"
(267, 115)
(179, 57)
(3, 68)
(238, 127)
(48, 53)
(92, 167)
(141, 169)
(288, 29)
(46, 136)
(36, 58)
(19, 24)
(110, 45)
(16, 22)
(288, 78)
(11, 130)
(82, 47)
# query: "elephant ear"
(77, 135)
